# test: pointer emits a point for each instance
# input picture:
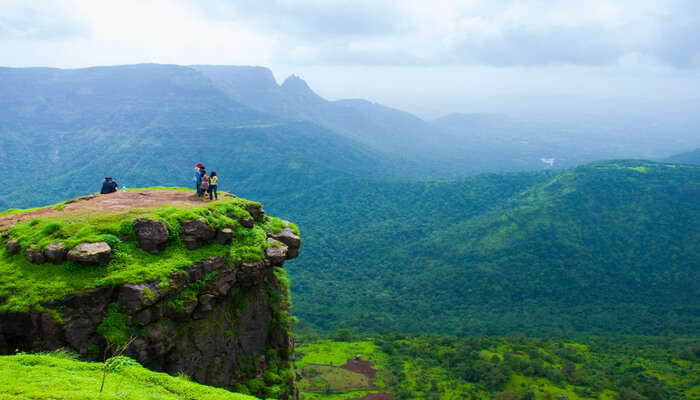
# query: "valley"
(471, 256)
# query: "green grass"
(322, 379)
(337, 353)
(338, 379)
(59, 376)
(25, 285)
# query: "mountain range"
(396, 223)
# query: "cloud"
(474, 32)
(45, 20)
(316, 20)
(496, 33)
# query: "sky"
(545, 58)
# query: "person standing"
(198, 178)
(205, 183)
(109, 186)
(213, 186)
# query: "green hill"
(607, 247)
(59, 375)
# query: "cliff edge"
(193, 287)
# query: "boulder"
(247, 222)
(292, 253)
(287, 237)
(13, 247)
(92, 254)
(224, 236)
(151, 234)
(250, 273)
(35, 255)
(137, 296)
(276, 252)
(256, 211)
(196, 233)
(56, 252)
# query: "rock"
(35, 255)
(247, 222)
(276, 252)
(200, 269)
(221, 283)
(137, 296)
(148, 315)
(256, 211)
(56, 252)
(78, 333)
(138, 350)
(287, 237)
(206, 302)
(13, 247)
(182, 309)
(225, 235)
(250, 273)
(151, 234)
(5, 234)
(196, 233)
(91, 254)
(158, 334)
(292, 253)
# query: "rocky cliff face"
(222, 321)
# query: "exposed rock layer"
(219, 334)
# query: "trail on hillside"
(118, 201)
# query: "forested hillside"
(413, 367)
(608, 247)
(145, 125)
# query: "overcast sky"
(428, 57)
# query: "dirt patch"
(361, 367)
(118, 201)
(375, 396)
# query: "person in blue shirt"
(109, 186)
(198, 178)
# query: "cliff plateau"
(190, 287)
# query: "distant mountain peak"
(294, 84)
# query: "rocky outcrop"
(196, 233)
(35, 255)
(256, 211)
(13, 247)
(56, 252)
(224, 236)
(276, 252)
(151, 234)
(212, 322)
(290, 239)
(91, 254)
(222, 321)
